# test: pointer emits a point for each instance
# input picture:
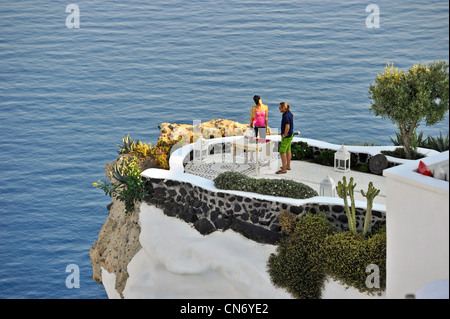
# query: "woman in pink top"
(259, 117)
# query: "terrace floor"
(307, 173)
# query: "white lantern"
(342, 160)
(328, 187)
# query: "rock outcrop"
(117, 243)
(118, 239)
(211, 129)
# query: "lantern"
(327, 187)
(342, 160)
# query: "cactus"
(372, 192)
(343, 190)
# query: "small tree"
(407, 98)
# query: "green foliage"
(299, 265)
(120, 169)
(142, 149)
(128, 145)
(160, 152)
(315, 249)
(440, 143)
(400, 153)
(130, 188)
(133, 190)
(233, 181)
(348, 255)
(288, 221)
(326, 158)
(408, 98)
(364, 168)
(301, 151)
(417, 140)
(105, 186)
(264, 186)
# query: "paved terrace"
(307, 173)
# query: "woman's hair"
(256, 98)
(284, 104)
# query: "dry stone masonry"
(255, 218)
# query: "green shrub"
(130, 188)
(288, 221)
(326, 158)
(440, 143)
(400, 153)
(364, 168)
(299, 265)
(264, 186)
(232, 180)
(315, 249)
(301, 151)
(348, 255)
(159, 153)
(133, 190)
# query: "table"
(251, 144)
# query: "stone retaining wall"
(255, 218)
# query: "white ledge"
(407, 173)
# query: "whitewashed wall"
(417, 219)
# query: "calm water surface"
(67, 96)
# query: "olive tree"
(408, 98)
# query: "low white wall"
(417, 221)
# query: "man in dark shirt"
(287, 133)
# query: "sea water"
(69, 94)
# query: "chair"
(200, 146)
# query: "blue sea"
(69, 95)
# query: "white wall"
(417, 221)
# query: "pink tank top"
(260, 118)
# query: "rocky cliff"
(118, 240)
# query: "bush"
(347, 256)
(364, 168)
(288, 221)
(264, 186)
(231, 180)
(130, 187)
(159, 153)
(400, 153)
(440, 143)
(326, 158)
(298, 265)
(314, 249)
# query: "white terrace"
(416, 206)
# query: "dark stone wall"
(356, 158)
(256, 219)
